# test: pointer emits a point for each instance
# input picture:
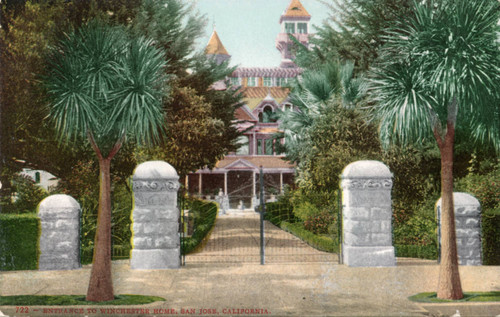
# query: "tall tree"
(105, 87)
(354, 31)
(439, 75)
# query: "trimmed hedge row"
(429, 252)
(322, 243)
(277, 212)
(205, 214)
(19, 236)
(491, 237)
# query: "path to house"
(236, 238)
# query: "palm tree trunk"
(449, 286)
(101, 283)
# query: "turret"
(216, 50)
(294, 20)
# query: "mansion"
(235, 179)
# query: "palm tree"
(439, 75)
(106, 88)
(313, 94)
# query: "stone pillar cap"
(462, 199)
(57, 202)
(155, 170)
(366, 169)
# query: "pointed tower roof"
(215, 46)
(296, 9)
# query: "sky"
(248, 28)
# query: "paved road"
(237, 239)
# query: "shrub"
(323, 243)
(28, 195)
(418, 230)
(279, 211)
(320, 223)
(19, 235)
(429, 252)
(486, 188)
(204, 214)
(491, 237)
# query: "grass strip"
(468, 297)
(65, 300)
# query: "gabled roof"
(254, 161)
(296, 9)
(215, 46)
(242, 114)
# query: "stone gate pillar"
(60, 237)
(155, 218)
(467, 228)
(367, 213)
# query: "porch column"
(199, 183)
(225, 183)
(281, 182)
(255, 202)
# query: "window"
(290, 28)
(251, 82)
(269, 147)
(243, 145)
(302, 28)
(235, 81)
(284, 81)
(287, 107)
(37, 177)
(267, 115)
(259, 147)
(268, 81)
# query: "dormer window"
(290, 28)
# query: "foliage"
(28, 195)
(420, 229)
(204, 215)
(279, 211)
(486, 187)
(320, 223)
(491, 237)
(429, 252)
(427, 79)
(354, 31)
(322, 243)
(67, 300)
(197, 114)
(19, 235)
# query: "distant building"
(236, 177)
(43, 179)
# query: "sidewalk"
(227, 280)
(308, 289)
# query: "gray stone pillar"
(367, 213)
(60, 237)
(155, 218)
(467, 228)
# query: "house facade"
(235, 179)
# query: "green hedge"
(491, 237)
(277, 212)
(19, 236)
(417, 251)
(319, 242)
(205, 214)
